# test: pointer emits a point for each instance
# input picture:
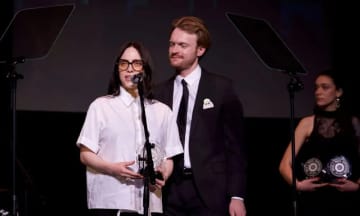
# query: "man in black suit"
(210, 178)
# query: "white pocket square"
(207, 104)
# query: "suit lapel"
(167, 92)
(202, 93)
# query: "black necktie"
(182, 114)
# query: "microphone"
(137, 78)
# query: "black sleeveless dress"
(331, 152)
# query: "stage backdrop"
(77, 68)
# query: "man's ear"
(200, 51)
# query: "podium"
(32, 32)
(267, 44)
(274, 53)
(30, 35)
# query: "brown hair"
(194, 25)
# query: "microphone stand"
(148, 171)
(294, 85)
(13, 76)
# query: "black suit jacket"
(216, 143)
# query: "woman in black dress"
(327, 158)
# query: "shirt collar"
(126, 97)
(191, 78)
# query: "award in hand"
(336, 167)
(157, 154)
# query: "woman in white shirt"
(113, 133)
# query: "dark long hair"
(115, 83)
(343, 113)
(339, 84)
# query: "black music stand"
(30, 35)
(274, 53)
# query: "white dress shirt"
(192, 81)
(113, 130)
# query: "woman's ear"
(339, 92)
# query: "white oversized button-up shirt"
(113, 130)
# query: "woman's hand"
(310, 184)
(120, 170)
(345, 185)
(123, 170)
(159, 182)
(165, 169)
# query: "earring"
(338, 103)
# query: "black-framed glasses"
(137, 65)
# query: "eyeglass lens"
(136, 64)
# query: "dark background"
(77, 66)
(50, 179)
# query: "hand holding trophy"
(157, 157)
(335, 168)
